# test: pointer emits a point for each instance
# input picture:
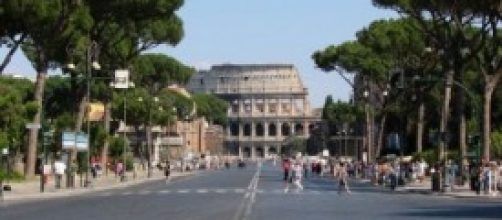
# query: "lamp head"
(96, 65)
(70, 66)
(366, 94)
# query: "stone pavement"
(30, 189)
(455, 192)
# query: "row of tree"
(115, 34)
(410, 67)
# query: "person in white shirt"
(59, 170)
(297, 178)
(422, 166)
(342, 176)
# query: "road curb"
(83, 191)
(451, 195)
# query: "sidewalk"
(30, 189)
(455, 192)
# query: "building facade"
(267, 104)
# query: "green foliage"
(157, 71)
(381, 47)
(15, 110)
(430, 156)
(336, 114)
(116, 147)
(60, 96)
(212, 108)
(496, 150)
(98, 138)
(10, 175)
(124, 29)
(295, 145)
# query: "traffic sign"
(69, 140)
(82, 141)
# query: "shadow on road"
(460, 211)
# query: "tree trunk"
(104, 151)
(420, 127)
(368, 134)
(11, 53)
(149, 149)
(463, 136)
(491, 82)
(381, 132)
(80, 120)
(445, 112)
(81, 113)
(31, 156)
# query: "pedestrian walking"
(297, 178)
(59, 170)
(167, 171)
(286, 166)
(342, 176)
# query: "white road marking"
(183, 191)
(144, 192)
(239, 190)
(202, 191)
(220, 191)
(164, 191)
(244, 209)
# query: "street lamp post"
(369, 125)
(90, 64)
(148, 132)
(122, 82)
(168, 132)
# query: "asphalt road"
(250, 193)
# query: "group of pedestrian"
(486, 177)
(293, 170)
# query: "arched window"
(272, 150)
(247, 129)
(260, 152)
(260, 131)
(234, 129)
(299, 129)
(311, 128)
(247, 152)
(272, 130)
(285, 129)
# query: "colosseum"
(268, 104)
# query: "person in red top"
(286, 166)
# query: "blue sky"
(264, 31)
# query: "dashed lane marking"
(202, 191)
(144, 192)
(221, 191)
(164, 191)
(183, 191)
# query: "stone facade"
(267, 104)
